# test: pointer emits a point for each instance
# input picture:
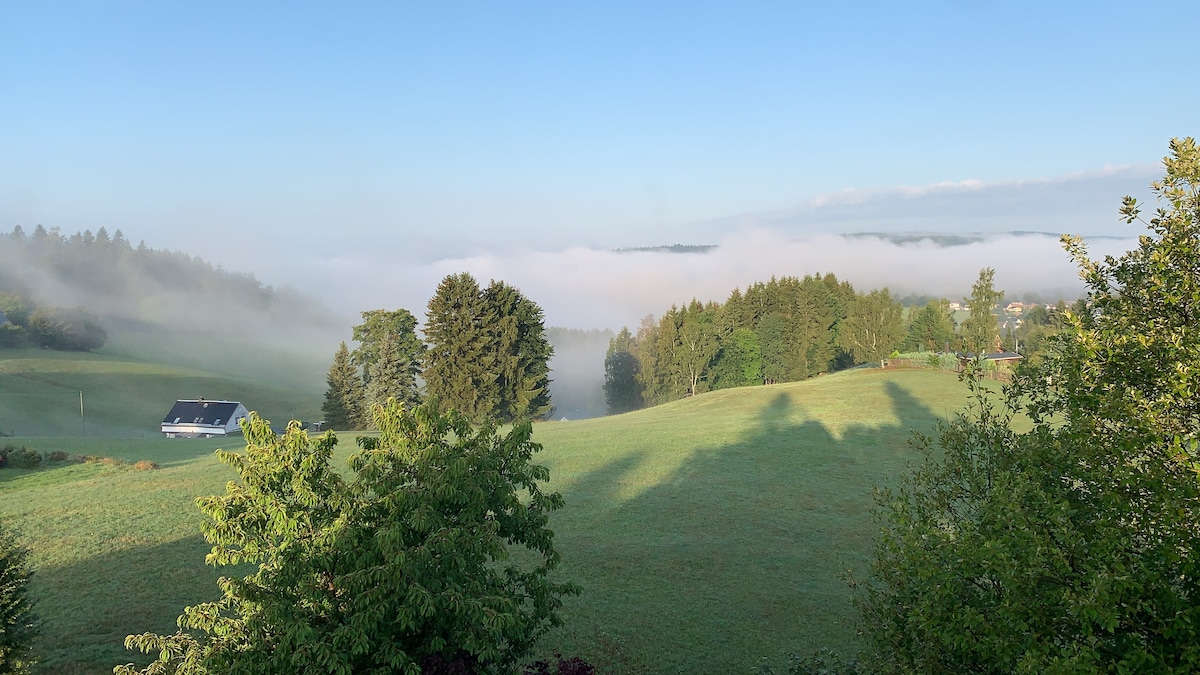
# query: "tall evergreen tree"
(393, 375)
(522, 353)
(400, 326)
(460, 362)
(770, 333)
(344, 398)
(931, 327)
(622, 390)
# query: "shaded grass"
(706, 533)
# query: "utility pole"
(82, 422)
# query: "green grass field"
(706, 533)
(123, 396)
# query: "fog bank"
(590, 288)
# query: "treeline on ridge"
(119, 282)
(789, 329)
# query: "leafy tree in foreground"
(407, 563)
(1074, 547)
(17, 621)
(344, 404)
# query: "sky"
(357, 151)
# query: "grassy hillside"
(707, 533)
(123, 395)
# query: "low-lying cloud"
(590, 288)
(594, 287)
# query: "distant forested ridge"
(115, 279)
(673, 248)
(164, 304)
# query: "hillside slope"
(706, 533)
(712, 531)
(39, 393)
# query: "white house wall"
(231, 425)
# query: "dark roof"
(202, 412)
(1001, 356)
(992, 356)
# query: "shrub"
(144, 465)
(21, 457)
(57, 456)
(66, 329)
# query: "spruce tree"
(400, 325)
(622, 391)
(522, 353)
(932, 327)
(460, 362)
(392, 375)
(344, 399)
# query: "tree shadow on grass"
(743, 552)
(89, 607)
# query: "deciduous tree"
(410, 559)
(873, 327)
(980, 330)
(1075, 546)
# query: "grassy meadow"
(707, 533)
(124, 395)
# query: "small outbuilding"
(201, 418)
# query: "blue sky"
(426, 131)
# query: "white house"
(203, 419)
